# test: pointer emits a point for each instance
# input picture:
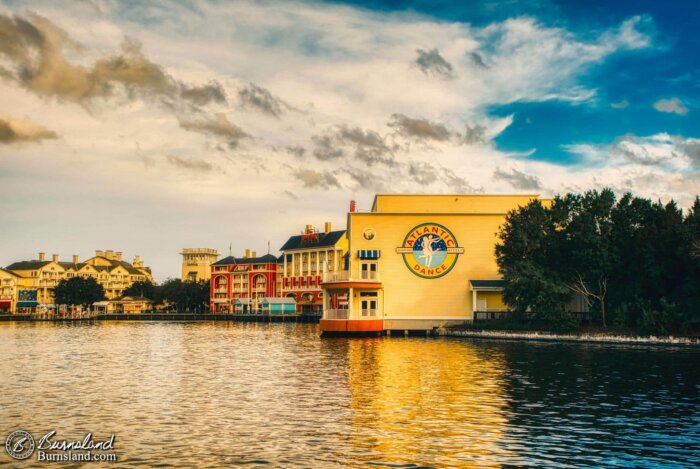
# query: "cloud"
(193, 165)
(624, 104)
(370, 147)
(35, 46)
(258, 98)
(432, 63)
(518, 179)
(660, 151)
(420, 129)
(296, 150)
(456, 183)
(673, 105)
(476, 59)
(316, 179)
(423, 173)
(366, 146)
(212, 92)
(22, 130)
(475, 134)
(325, 149)
(690, 147)
(219, 126)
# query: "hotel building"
(240, 284)
(196, 263)
(36, 279)
(305, 259)
(417, 262)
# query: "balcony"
(335, 314)
(344, 276)
(339, 276)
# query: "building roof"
(277, 301)
(306, 241)
(488, 283)
(27, 265)
(10, 272)
(231, 260)
(125, 298)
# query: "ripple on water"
(209, 394)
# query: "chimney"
(109, 254)
(255, 254)
(75, 258)
(309, 229)
(247, 253)
(118, 255)
(353, 206)
(54, 257)
(99, 253)
(42, 256)
(137, 262)
(328, 227)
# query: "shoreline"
(167, 317)
(572, 338)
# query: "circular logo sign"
(19, 444)
(430, 250)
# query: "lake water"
(212, 394)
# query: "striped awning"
(368, 253)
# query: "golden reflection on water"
(426, 402)
(214, 394)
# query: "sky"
(147, 127)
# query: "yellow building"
(417, 262)
(37, 279)
(196, 263)
(9, 286)
(124, 305)
(305, 259)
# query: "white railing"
(338, 276)
(344, 276)
(335, 314)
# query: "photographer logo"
(20, 444)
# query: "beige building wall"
(196, 263)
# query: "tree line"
(173, 294)
(633, 263)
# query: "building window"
(369, 271)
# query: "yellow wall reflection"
(426, 402)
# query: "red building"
(239, 284)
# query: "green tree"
(142, 288)
(78, 291)
(526, 256)
(585, 242)
(184, 296)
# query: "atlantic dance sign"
(430, 250)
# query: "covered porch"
(352, 309)
(487, 299)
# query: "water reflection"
(209, 394)
(425, 402)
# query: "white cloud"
(672, 105)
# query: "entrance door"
(369, 308)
